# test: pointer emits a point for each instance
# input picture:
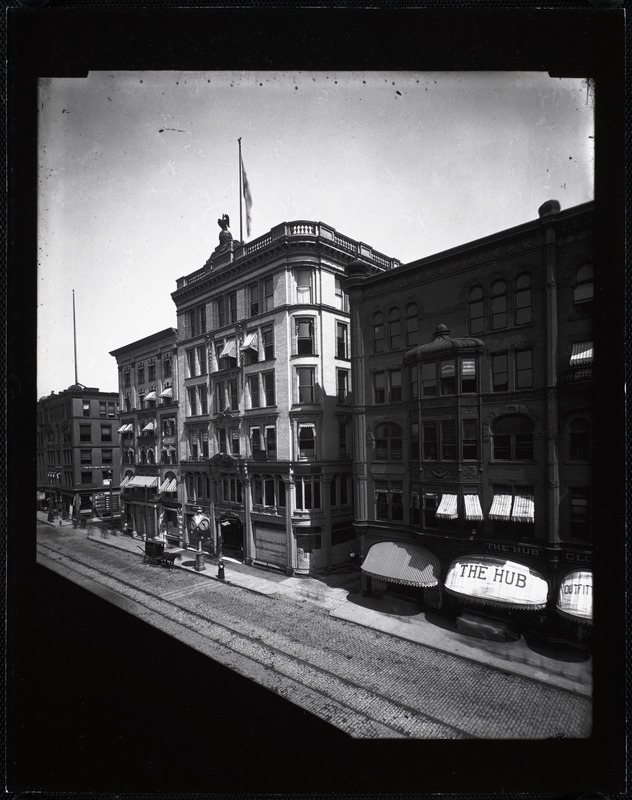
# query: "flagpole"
(74, 330)
(241, 233)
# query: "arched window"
(394, 329)
(379, 345)
(388, 442)
(499, 305)
(150, 456)
(476, 310)
(512, 438)
(579, 440)
(143, 456)
(523, 299)
(584, 291)
(412, 325)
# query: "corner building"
(264, 365)
(472, 384)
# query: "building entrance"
(232, 537)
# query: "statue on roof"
(224, 222)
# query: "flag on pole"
(247, 197)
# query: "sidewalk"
(341, 595)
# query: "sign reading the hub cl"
(496, 580)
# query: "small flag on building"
(247, 197)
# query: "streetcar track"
(268, 652)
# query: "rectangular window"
(221, 312)
(234, 441)
(253, 390)
(141, 373)
(191, 317)
(523, 306)
(253, 293)
(306, 441)
(470, 439)
(86, 477)
(343, 447)
(468, 375)
(86, 408)
(269, 389)
(151, 372)
(448, 377)
(413, 382)
(304, 286)
(448, 439)
(126, 378)
(343, 385)
(191, 371)
(202, 361)
(395, 384)
(220, 397)
(205, 452)
(106, 456)
(342, 301)
(271, 443)
(305, 337)
(379, 387)
(429, 379)
(85, 433)
(232, 307)
(233, 395)
(222, 440)
(166, 368)
(499, 312)
(500, 373)
(524, 369)
(268, 492)
(268, 294)
(192, 393)
(430, 505)
(414, 441)
(86, 456)
(267, 336)
(580, 513)
(342, 337)
(203, 396)
(106, 433)
(255, 442)
(103, 409)
(305, 376)
(112, 410)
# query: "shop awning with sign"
(167, 393)
(169, 485)
(575, 595)
(405, 564)
(147, 481)
(496, 581)
(447, 507)
(473, 510)
(251, 341)
(582, 353)
(501, 507)
(523, 509)
(150, 396)
(228, 350)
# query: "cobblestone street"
(367, 683)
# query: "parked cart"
(155, 553)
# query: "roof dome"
(76, 387)
(442, 342)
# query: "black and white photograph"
(319, 357)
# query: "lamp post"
(220, 553)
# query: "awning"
(144, 480)
(126, 428)
(501, 507)
(229, 349)
(496, 581)
(447, 507)
(251, 341)
(574, 598)
(582, 353)
(150, 426)
(473, 510)
(168, 392)
(150, 396)
(126, 480)
(168, 485)
(523, 509)
(402, 563)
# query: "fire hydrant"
(220, 569)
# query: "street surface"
(364, 682)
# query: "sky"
(135, 168)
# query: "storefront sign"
(516, 549)
(270, 546)
(579, 558)
(575, 594)
(497, 580)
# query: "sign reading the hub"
(575, 595)
(497, 580)
(270, 546)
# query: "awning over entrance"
(144, 480)
(496, 581)
(402, 563)
(575, 595)
(447, 507)
(581, 354)
(473, 510)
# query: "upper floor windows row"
(393, 332)
(146, 371)
(505, 306)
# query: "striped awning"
(251, 341)
(150, 426)
(149, 481)
(523, 509)
(447, 507)
(574, 598)
(168, 392)
(150, 396)
(229, 349)
(168, 485)
(126, 480)
(405, 564)
(582, 353)
(126, 428)
(473, 510)
(501, 507)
